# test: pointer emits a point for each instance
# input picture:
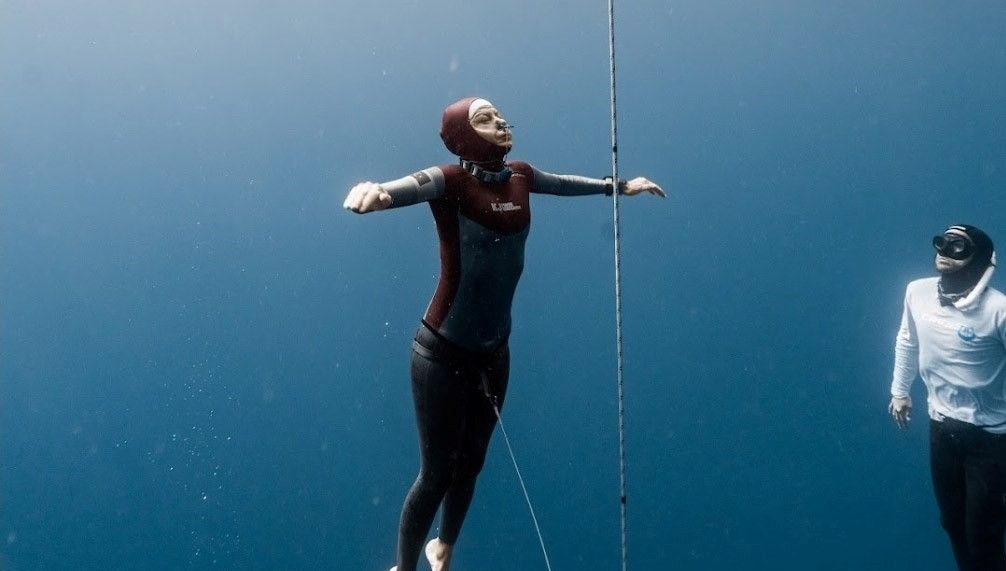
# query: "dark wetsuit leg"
(946, 462)
(478, 431)
(985, 473)
(969, 478)
(455, 422)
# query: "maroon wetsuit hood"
(461, 138)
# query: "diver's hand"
(639, 185)
(901, 410)
(367, 197)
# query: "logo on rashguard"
(966, 334)
(421, 177)
(504, 206)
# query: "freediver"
(953, 335)
(460, 355)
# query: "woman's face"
(491, 126)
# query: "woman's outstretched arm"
(575, 185)
(425, 185)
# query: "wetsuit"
(460, 352)
(961, 357)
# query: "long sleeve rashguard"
(960, 355)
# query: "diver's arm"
(568, 184)
(575, 185)
(906, 355)
(906, 367)
(427, 184)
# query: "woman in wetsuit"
(460, 357)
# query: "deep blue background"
(204, 358)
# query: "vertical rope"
(618, 287)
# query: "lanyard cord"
(520, 478)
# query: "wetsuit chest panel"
(491, 265)
(504, 208)
(483, 229)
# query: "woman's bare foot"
(439, 554)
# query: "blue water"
(204, 358)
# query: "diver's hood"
(461, 138)
(970, 301)
(964, 287)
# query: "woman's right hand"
(367, 197)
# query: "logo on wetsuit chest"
(504, 206)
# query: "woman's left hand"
(640, 184)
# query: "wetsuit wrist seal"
(608, 186)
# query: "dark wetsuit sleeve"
(423, 186)
(567, 184)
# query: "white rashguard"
(960, 355)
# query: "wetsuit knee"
(436, 479)
(450, 472)
(468, 468)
